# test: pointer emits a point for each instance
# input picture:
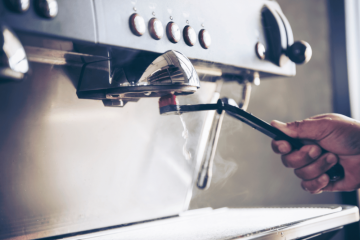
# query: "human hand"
(335, 133)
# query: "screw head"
(171, 18)
(135, 9)
(153, 13)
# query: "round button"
(189, 35)
(260, 50)
(204, 38)
(48, 8)
(156, 29)
(137, 24)
(19, 6)
(300, 52)
(173, 32)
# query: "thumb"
(313, 129)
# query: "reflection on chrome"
(14, 55)
(170, 68)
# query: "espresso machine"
(84, 151)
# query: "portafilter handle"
(336, 173)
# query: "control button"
(204, 38)
(47, 8)
(19, 6)
(300, 52)
(260, 50)
(189, 35)
(173, 32)
(156, 29)
(137, 24)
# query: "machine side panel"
(75, 20)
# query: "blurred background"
(247, 173)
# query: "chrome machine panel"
(69, 165)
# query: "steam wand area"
(168, 105)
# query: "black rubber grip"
(335, 173)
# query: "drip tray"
(239, 223)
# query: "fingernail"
(318, 192)
(314, 152)
(276, 122)
(331, 159)
(282, 148)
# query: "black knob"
(300, 52)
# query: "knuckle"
(291, 160)
(295, 124)
(306, 173)
(297, 159)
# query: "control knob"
(189, 36)
(47, 8)
(156, 29)
(299, 52)
(173, 32)
(19, 6)
(137, 24)
(204, 39)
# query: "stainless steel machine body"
(68, 163)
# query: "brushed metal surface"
(75, 19)
(69, 165)
(276, 223)
(234, 25)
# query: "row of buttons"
(138, 27)
(46, 8)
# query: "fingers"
(313, 129)
(302, 157)
(282, 147)
(317, 168)
(316, 185)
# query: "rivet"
(202, 25)
(153, 13)
(134, 9)
(187, 21)
(171, 18)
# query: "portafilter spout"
(142, 76)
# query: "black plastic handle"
(336, 173)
